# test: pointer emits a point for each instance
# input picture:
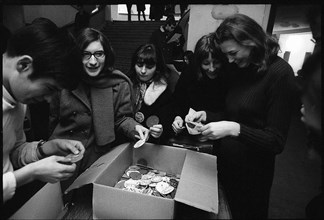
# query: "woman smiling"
(99, 112)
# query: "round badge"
(131, 183)
(129, 171)
(139, 143)
(135, 175)
(139, 117)
(135, 167)
(164, 188)
(174, 183)
(120, 184)
(143, 171)
(74, 157)
(152, 120)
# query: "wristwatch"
(39, 149)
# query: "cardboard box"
(47, 203)
(197, 187)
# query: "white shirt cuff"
(9, 185)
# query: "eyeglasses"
(98, 55)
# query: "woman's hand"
(62, 147)
(200, 116)
(178, 125)
(156, 130)
(143, 133)
(217, 130)
(53, 169)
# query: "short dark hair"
(311, 77)
(170, 20)
(148, 54)
(53, 50)
(89, 35)
(244, 30)
(205, 45)
(189, 54)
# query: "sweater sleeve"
(214, 116)
(9, 185)
(23, 152)
(180, 96)
(273, 135)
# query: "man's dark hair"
(5, 35)
(53, 50)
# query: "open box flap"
(198, 183)
(91, 174)
(161, 157)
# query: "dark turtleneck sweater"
(262, 104)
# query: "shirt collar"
(8, 98)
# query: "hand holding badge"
(150, 122)
(192, 127)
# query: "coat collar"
(80, 93)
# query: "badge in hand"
(152, 120)
(139, 117)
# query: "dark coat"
(71, 118)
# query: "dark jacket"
(201, 95)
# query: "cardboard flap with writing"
(198, 183)
(97, 168)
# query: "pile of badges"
(145, 180)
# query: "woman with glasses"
(152, 92)
(99, 112)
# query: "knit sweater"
(262, 103)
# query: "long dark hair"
(89, 35)
(247, 32)
(206, 45)
(148, 54)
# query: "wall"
(201, 22)
(66, 13)
(298, 45)
(13, 17)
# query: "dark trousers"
(129, 11)
(246, 175)
(139, 15)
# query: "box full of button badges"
(196, 191)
